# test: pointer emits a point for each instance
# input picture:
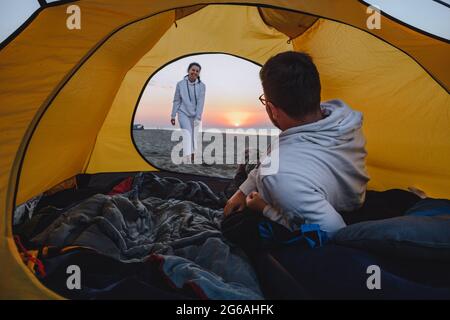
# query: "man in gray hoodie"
(321, 152)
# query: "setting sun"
(237, 118)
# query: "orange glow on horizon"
(236, 118)
(214, 117)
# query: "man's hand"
(172, 121)
(255, 202)
(235, 203)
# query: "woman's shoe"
(207, 164)
(186, 160)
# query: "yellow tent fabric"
(67, 96)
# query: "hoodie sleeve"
(290, 203)
(201, 102)
(249, 185)
(176, 102)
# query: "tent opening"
(233, 119)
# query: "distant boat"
(138, 127)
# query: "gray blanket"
(159, 218)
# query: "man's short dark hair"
(291, 82)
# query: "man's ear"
(273, 110)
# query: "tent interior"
(69, 96)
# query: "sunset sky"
(232, 91)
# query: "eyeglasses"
(263, 99)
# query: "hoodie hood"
(336, 128)
(189, 82)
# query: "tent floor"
(106, 179)
(330, 272)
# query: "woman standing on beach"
(188, 104)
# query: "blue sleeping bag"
(411, 252)
(338, 272)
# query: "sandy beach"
(156, 146)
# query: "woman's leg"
(195, 135)
(193, 138)
(186, 128)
